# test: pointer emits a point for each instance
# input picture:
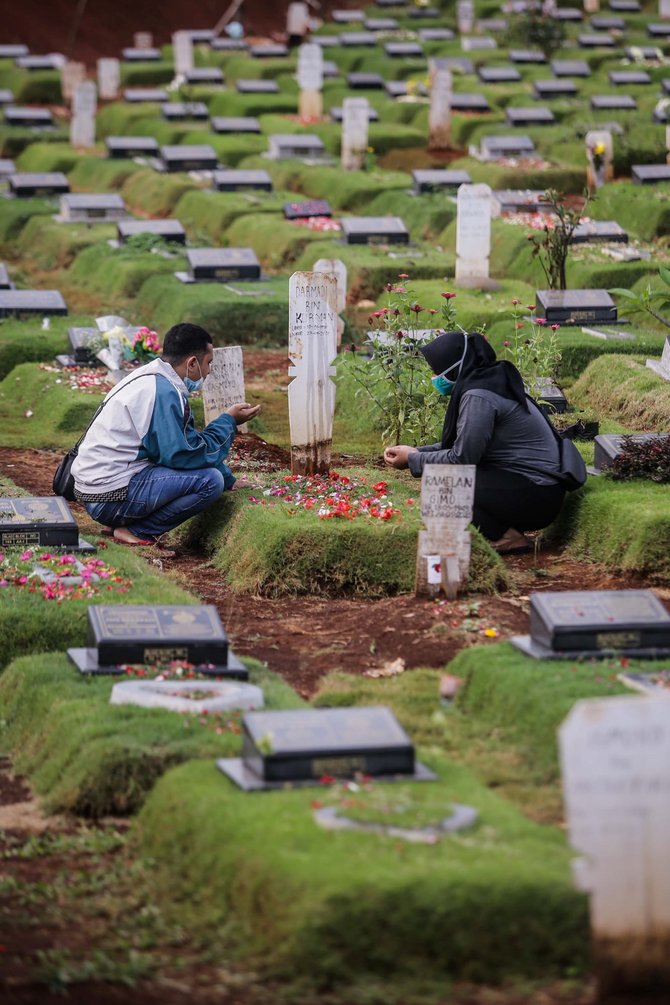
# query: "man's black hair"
(184, 340)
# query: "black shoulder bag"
(572, 467)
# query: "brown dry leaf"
(391, 669)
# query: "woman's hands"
(398, 456)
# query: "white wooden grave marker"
(225, 384)
(71, 75)
(473, 234)
(297, 20)
(615, 761)
(143, 40)
(336, 267)
(664, 9)
(109, 79)
(591, 6)
(82, 124)
(465, 16)
(439, 116)
(443, 553)
(182, 48)
(599, 154)
(310, 81)
(354, 133)
(312, 346)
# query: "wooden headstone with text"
(84, 106)
(439, 116)
(312, 347)
(225, 384)
(355, 121)
(310, 81)
(443, 554)
(337, 267)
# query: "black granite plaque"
(35, 63)
(202, 36)
(351, 39)
(575, 307)
(131, 146)
(649, 174)
(403, 50)
(7, 167)
(538, 116)
(268, 51)
(32, 183)
(597, 40)
(365, 81)
(391, 3)
(426, 14)
(599, 230)
(337, 114)
(646, 52)
(91, 207)
(5, 281)
(608, 446)
(235, 124)
(133, 95)
(465, 102)
(476, 43)
(568, 14)
(549, 396)
(235, 180)
(613, 102)
(507, 146)
(153, 634)
(498, 75)
(561, 87)
(330, 70)
(570, 68)
(458, 64)
(434, 179)
(131, 55)
(625, 6)
(378, 229)
(596, 623)
(308, 208)
(189, 157)
(511, 200)
(23, 303)
(16, 115)
(39, 522)
(182, 111)
(79, 340)
(435, 34)
(325, 41)
(287, 145)
(658, 30)
(604, 22)
(527, 56)
(205, 75)
(169, 230)
(380, 24)
(396, 88)
(347, 16)
(306, 745)
(223, 264)
(13, 51)
(257, 87)
(229, 45)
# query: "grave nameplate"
(6, 96)
(425, 14)
(36, 63)
(269, 51)
(131, 146)
(649, 174)
(570, 68)
(133, 95)
(154, 634)
(498, 74)
(576, 307)
(71, 75)
(380, 24)
(257, 87)
(298, 145)
(193, 157)
(308, 208)
(569, 624)
(662, 366)
(31, 183)
(354, 141)
(568, 14)
(443, 553)
(435, 34)
(302, 746)
(5, 281)
(403, 50)
(365, 81)
(613, 102)
(352, 39)
(491, 24)
(462, 102)
(519, 201)
(608, 446)
(391, 3)
(7, 167)
(85, 207)
(225, 384)
(168, 230)
(658, 30)
(604, 23)
(218, 264)
(38, 522)
(13, 51)
(79, 340)
(330, 70)
(396, 88)
(347, 16)
(180, 111)
(235, 180)
(477, 44)
(211, 75)
(554, 88)
(625, 6)
(527, 56)
(19, 303)
(229, 45)
(598, 40)
(539, 116)
(650, 53)
(16, 115)
(434, 179)
(201, 36)
(337, 114)
(459, 64)
(377, 229)
(235, 124)
(131, 55)
(496, 147)
(599, 230)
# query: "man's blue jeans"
(159, 499)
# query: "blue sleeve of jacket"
(172, 444)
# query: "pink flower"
(448, 296)
(555, 327)
(540, 321)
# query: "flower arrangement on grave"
(533, 348)
(144, 346)
(394, 379)
(331, 497)
(552, 248)
(642, 459)
(120, 343)
(59, 577)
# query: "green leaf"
(664, 274)
(620, 292)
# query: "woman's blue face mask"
(441, 383)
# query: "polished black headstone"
(608, 446)
(527, 56)
(549, 396)
(234, 180)
(506, 146)
(257, 87)
(131, 146)
(181, 111)
(303, 746)
(568, 14)
(31, 183)
(575, 307)
(613, 102)
(134, 95)
(347, 16)
(605, 23)
(221, 264)
(204, 75)
(625, 6)
(378, 229)
(433, 179)
(498, 75)
(35, 63)
(512, 200)
(403, 50)
(627, 77)
(5, 281)
(189, 157)
(80, 339)
(649, 174)
(17, 115)
(168, 230)
(538, 116)
(599, 230)
(547, 89)
(20, 303)
(476, 43)
(365, 81)
(131, 55)
(358, 38)
(337, 114)
(41, 522)
(308, 208)
(658, 30)
(229, 45)
(268, 51)
(86, 206)
(597, 40)
(13, 51)
(287, 145)
(152, 635)
(202, 36)
(570, 68)
(325, 41)
(235, 124)
(380, 24)
(462, 102)
(435, 34)
(457, 64)
(595, 623)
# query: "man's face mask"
(441, 383)
(194, 385)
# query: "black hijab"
(480, 369)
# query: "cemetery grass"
(623, 388)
